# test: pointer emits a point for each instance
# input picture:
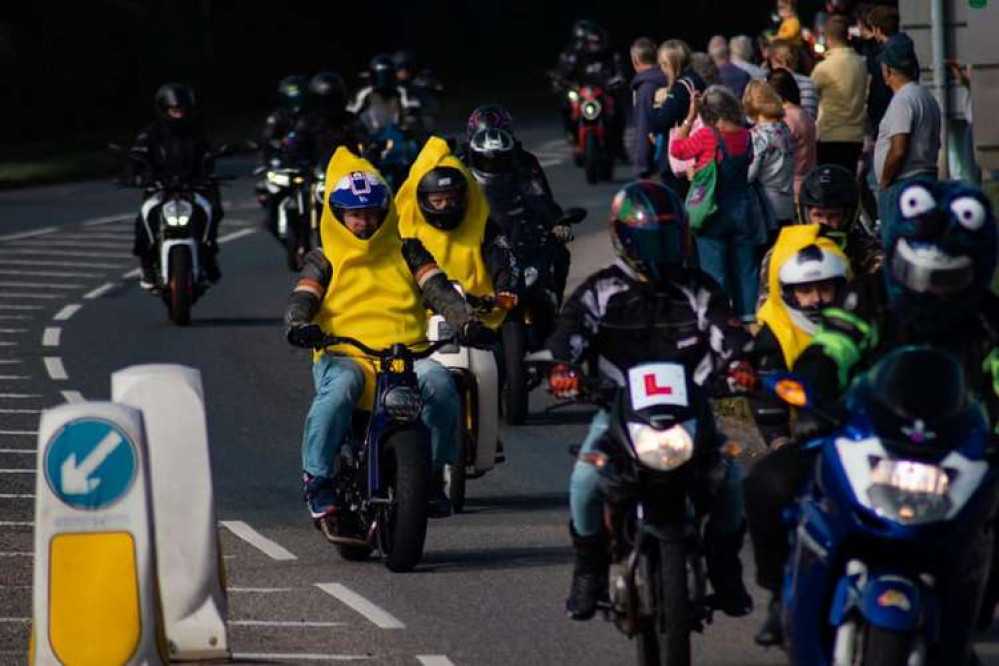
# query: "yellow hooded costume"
(459, 251)
(373, 295)
(774, 311)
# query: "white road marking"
(258, 590)
(42, 285)
(14, 318)
(123, 235)
(17, 553)
(55, 262)
(15, 471)
(55, 368)
(18, 433)
(30, 296)
(434, 660)
(16, 496)
(67, 311)
(100, 291)
(8, 344)
(54, 274)
(62, 253)
(17, 523)
(106, 219)
(9, 361)
(18, 396)
(72, 396)
(272, 549)
(21, 451)
(29, 234)
(13, 378)
(13, 620)
(275, 623)
(80, 244)
(20, 411)
(236, 234)
(51, 335)
(20, 307)
(134, 273)
(376, 615)
(550, 163)
(267, 657)
(14, 330)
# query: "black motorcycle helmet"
(292, 91)
(489, 116)
(596, 41)
(830, 186)
(650, 232)
(439, 180)
(328, 92)
(580, 30)
(381, 73)
(405, 64)
(491, 152)
(174, 103)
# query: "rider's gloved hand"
(562, 233)
(563, 382)
(741, 377)
(476, 334)
(308, 336)
(507, 300)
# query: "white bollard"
(187, 543)
(95, 597)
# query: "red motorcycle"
(592, 106)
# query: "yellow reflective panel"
(94, 614)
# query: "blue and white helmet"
(356, 190)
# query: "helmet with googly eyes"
(941, 247)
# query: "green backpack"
(700, 203)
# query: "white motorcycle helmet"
(813, 265)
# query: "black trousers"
(846, 154)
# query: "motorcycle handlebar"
(331, 340)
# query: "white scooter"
(477, 379)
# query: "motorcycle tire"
(592, 159)
(291, 243)
(607, 168)
(406, 470)
(455, 476)
(180, 285)
(515, 392)
(674, 607)
(886, 648)
(354, 553)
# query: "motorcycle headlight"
(530, 275)
(278, 178)
(909, 492)
(662, 450)
(591, 109)
(403, 404)
(177, 212)
(573, 95)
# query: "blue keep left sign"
(90, 464)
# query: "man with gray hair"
(741, 49)
(648, 78)
(730, 76)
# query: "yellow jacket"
(372, 295)
(459, 251)
(774, 312)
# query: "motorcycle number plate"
(654, 384)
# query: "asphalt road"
(492, 581)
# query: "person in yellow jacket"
(808, 272)
(443, 207)
(367, 283)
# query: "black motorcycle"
(529, 324)
(384, 486)
(288, 182)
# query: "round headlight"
(403, 403)
(278, 178)
(662, 450)
(591, 109)
(177, 212)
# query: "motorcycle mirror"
(225, 149)
(259, 170)
(573, 215)
(251, 145)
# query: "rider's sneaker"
(320, 496)
(771, 632)
(589, 576)
(147, 274)
(440, 504)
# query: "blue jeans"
(586, 505)
(339, 385)
(728, 252)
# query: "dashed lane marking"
(134, 273)
(99, 291)
(29, 234)
(57, 263)
(13, 620)
(375, 614)
(20, 396)
(106, 219)
(8, 470)
(18, 433)
(236, 234)
(272, 549)
(13, 378)
(62, 253)
(4, 410)
(51, 336)
(72, 396)
(20, 451)
(280, 623)
(434, 660)
(268, 657)
(21, 496)
(31, 296)
(4, 306)
(95, 244)
(51, 274)
(258, 590)
(17, 523)
(18, 553)
(43, 285)
(67, 311)
(55, 368)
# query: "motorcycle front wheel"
(591, 158)
(180, 287)
(885, 648)
(666, 640)
(406, 472)
(292, 241)
(455, 476)
(515, 391)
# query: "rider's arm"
(272, 132)
(499, 259)
(727, 336)
(836, 352)
(438, 293)
(306, 297)
(140, 154)
(579, 321)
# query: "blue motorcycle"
(385, 484)
(900, 493)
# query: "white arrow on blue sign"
(90, 464)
